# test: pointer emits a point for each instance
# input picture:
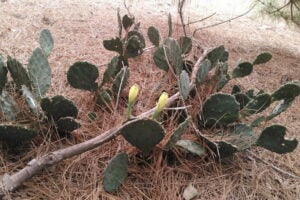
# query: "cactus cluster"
(84, 75)
(27, 87)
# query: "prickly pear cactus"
(256, 105)
(58, 107)
(3, 74)
(127, 22)
(66, 125)
(159, 58)
(39, 72)
(215, 55)
(143, 134)
(287, 91)
(154, 36)
(202, 73)
(185, 44)
(8, 106)
(83, 75)
(184, 84)
(46, 42)
(262, 58)
(112, 69)
(173, 53)
(104, 98)
(114, 45)
(272, 138)
(18, 73)
(219, 109)
(192, 147)
(243, 69)
(115, 172)
(16, 133)
(120, 81)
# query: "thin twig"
(180, 12)
(200, 20)
(273, 166)
(223, 22)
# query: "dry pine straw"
(78, 36)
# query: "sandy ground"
(78, 28)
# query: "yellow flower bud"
(162, 101)
(133, 92)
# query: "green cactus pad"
(66, 125)
(119, 23)
(192, 147)
(140, 37)
(170, 32)
(120, 81)
(59, 107)
(46, 42)
(3, 74)
(15, 133)
(215, 55)
(178, 132)
(185, 44)
(153, 35)
(241, 135)
(224, 79)
(143, 134)
(115, 172)
(242, 99)
(18, 73)
(82, 75)
(184, 84)
(173, 53)
(242, 70)
(250, 93)
(112, 69)
(104, 98)
(224, 57)
(114, 45)
(272, 139)
(262, 58)
(256, 105)
(280, 107)
(133, 46)
(160, 59)
(8, 106)
(127, 21)
(202, 73)
(221, 109)
(287, 91)
(39, 72)
(30, 100)
(236, 89)
(257, 122)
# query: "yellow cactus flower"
(162, 101)
(133, 92)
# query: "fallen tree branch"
(11, 182)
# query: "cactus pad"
(133, 46)
(143, 134)
(215, 55)
(18, 73)
(202, 73)
(272, 138)
(30, 100)
(178, 132)
(112, 69)
(160, 59)
(16, 134)
(153, 35)
(221, 109)
(262, 58)
(120, 81)
(170, 25)
(240, 135)
(224, 57)
(46, 42)
(114, 45)
(59, 107)
(256, 105)
(184, 83)
(185, 44)
(3, 74)
(242, 70)
(127, 22)
(115, 172)
(39, 72)
(82, 75)
(140, 37)
(192, 147)
(242, 99)
(104, 98)
(287, 91)
(8, 106)
(66, 125)
(236, 89)
(224, 79)
(173, 53)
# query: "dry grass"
(78, 28)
